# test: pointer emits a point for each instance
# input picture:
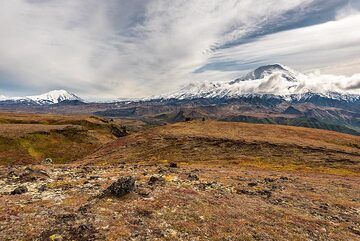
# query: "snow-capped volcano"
(54, 97)
(264, 71)
(271, 80)
(51, 97)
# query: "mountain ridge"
(270, 80)
(48, 98)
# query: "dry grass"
(21, 130)
(29, 138)
(254, 182)
(276, 134)
(261, 146)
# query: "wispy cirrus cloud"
(138, 48)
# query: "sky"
(121, 48)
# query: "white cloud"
(318, 46)
(137, 48)
(273, 83)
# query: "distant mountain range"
(266, 82)
(271, 94)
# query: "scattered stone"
(31, 175)
(19, 190)
(121, 187)
(252, 184)
(206, 185)
(47, 161)
(161, 170)
(277, 201)
(155, 180)
(173, 164)
(144, 192)
(265, 193)
(355, 230)
(42, 188)
(193, 177)
(274, 187)
(268, 179)
(243, 191)
(13, 175)
(324, 206)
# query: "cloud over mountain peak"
(139, 48)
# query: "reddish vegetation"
(194, 181)
(282, 147)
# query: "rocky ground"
(171, 201)
(90, 178)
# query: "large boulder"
(121, 187)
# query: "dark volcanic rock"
(268, 179)
(172, 164)
(19, 190)
(42, 188)
(252, 184)
(156, 180)
(193, 177)
(31, 175)
(265, 193)
(121, 187)
(284, 178)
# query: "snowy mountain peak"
(270, 80)
(268, 70)
(51, 97)
(54, 97)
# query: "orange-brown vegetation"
(227, 181)
(264, 146)
(30, 138)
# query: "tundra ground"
(202, 180)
